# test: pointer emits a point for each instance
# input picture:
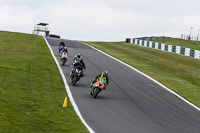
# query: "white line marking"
(146, 76)
(68, 90)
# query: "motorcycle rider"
(64, 50)
(61, 46)
(77, 57)
(78, 64)
(103, 76)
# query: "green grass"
(180, 42)
(179, 73)
(31, 89)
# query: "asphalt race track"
(131, 103)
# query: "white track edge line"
(68, 90)
(146, 76)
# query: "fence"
(165, 47)
(192, 38)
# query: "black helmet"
(105, 73)
(62, 44)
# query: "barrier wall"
(169, 48)
(55, 36)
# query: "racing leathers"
(101, 77)
(78, 64)
(64, 50)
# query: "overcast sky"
(102, 20)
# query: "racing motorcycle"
(99, 86)
(64, 57)
(76, 75)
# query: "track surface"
(131, 103)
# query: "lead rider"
(103, 76)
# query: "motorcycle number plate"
(101, 82)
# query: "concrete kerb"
(68, 90)
(146, 76)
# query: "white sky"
(103, 20)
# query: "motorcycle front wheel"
(96, 92)
(74, 80)
(64, 61)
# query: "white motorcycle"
(63, 57)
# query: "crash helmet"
(65, 48)
(62, 44)
(79, 55)
(105, 73)
(81, 60)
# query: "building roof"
(43, 24)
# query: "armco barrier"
(165, 47)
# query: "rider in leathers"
(103, 76)
(64, 50)
(78, 64)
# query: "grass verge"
(31, 89)
(179, 73)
